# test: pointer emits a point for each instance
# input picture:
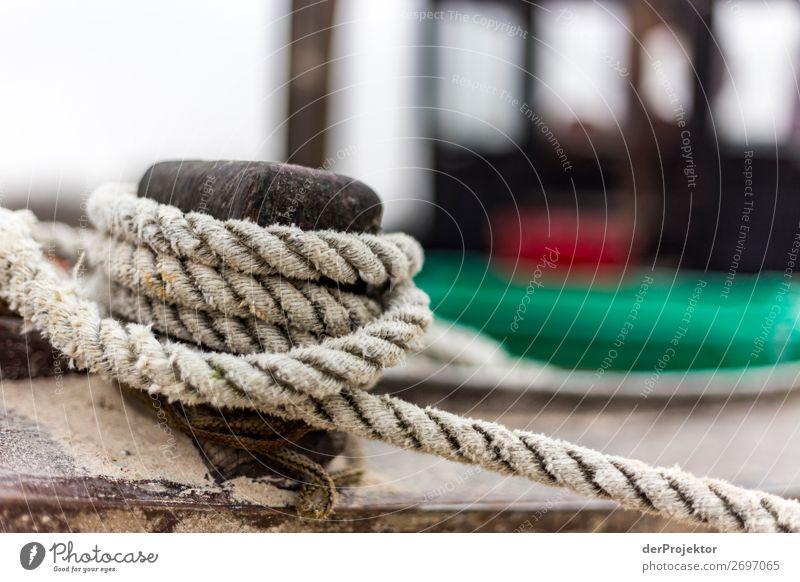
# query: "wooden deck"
(80, 454)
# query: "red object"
(582, 239)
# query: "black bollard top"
(266, 193)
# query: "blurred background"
(625, 135)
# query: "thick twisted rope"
(323, 384)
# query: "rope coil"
(309, 355)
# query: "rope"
(323, 384)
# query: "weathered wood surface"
(79, 454)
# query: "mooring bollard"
(266, 193)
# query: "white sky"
(759, 95)
(98, 90)
(582, 54)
